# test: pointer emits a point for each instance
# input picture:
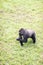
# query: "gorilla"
(24, 34)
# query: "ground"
(16, 14)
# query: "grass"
(16, 14)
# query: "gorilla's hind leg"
(33, 38)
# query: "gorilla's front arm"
(22, 40)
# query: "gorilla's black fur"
(24, 34)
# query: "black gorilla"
(24, 34)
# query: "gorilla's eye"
(20, 33)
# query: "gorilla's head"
(21, 31)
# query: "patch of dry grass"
(14, 15)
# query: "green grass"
(16, 14)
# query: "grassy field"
(16, 14)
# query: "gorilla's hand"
(18, 39)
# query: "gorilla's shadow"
(29, 43)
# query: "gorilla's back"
(30, 32)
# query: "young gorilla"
(24, 34)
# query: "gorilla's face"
(21, 31)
